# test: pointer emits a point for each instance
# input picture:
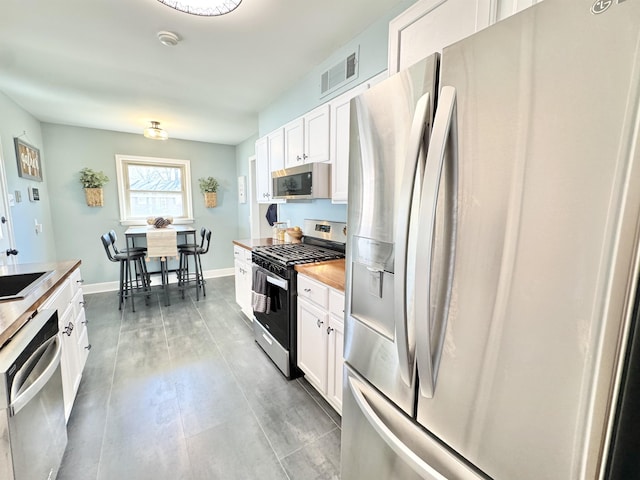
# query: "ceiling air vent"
(341, 73)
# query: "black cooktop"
(296, 253)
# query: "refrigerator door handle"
(405, 345)
(418, 465)
(443, 140)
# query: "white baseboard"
(155, 280)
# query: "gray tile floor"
(183, 392)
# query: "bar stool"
(196, 251)
(127, 284)
(131, 251)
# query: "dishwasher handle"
(43, 364)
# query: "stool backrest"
(205, 236)
(107, 243)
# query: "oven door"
(272, 328)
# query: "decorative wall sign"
(28, 158)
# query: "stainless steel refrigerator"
(493, 258)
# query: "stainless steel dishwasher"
(33, 434)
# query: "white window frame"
(121, 160)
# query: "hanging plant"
(92, 182)
(209, 188)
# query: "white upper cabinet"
(306, 139)
(430, 25)
(340, 125)
(276, 149)
(294, 143)
(316, 134)
(263, 172)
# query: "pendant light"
(154, 132)
(204, 8)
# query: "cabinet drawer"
(241, 254)
(60, 299)
(336, 303)
(75, 280)
(313, 291)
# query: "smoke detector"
(169, 39)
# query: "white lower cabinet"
(320, 337)
(242, 265)
(68, 300)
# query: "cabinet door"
(246, 292)
(240, 282)
(339, 142)
(294, 143)
(263, 171)
(430, 25)
(335, 334)
(316, 135)
(69, 359)
(276, 150)
(312, 343)
(82, 344)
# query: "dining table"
(162, 244)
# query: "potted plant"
(92, 182)
(209, 188)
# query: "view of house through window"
(153, 187)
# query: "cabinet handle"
(307, 290)
(80, 281)
(305, 156)
(82, 303)
(85, 321)
(329, 330)
(298, 158)
(88, 347)
(319, 322)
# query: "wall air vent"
(341, 73)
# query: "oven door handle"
(278, 282)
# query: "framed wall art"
(28, 158)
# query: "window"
(153, 187)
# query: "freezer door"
(547, 215)
(390, 124)
(392, 446)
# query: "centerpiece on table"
(92, 182)
(209, 188)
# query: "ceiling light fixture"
(154, 132)
(205, 8)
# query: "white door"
(6, 232)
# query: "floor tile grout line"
(242, 391)
(318, 403)
(113, 374)
(302, 447)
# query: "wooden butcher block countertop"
(14, 314)
(331, 273)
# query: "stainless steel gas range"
(275, 288)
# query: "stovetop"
(289, 254)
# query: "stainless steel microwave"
(305, 182)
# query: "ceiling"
(99, 64)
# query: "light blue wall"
(78, 227)
(14, 122)
(304, 96)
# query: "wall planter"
(92, 183)
(209, 188)
(210, 199)
(94, 196)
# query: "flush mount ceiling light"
(205, 8)
(154, 132)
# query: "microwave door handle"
(413, 162)
(443, 140)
